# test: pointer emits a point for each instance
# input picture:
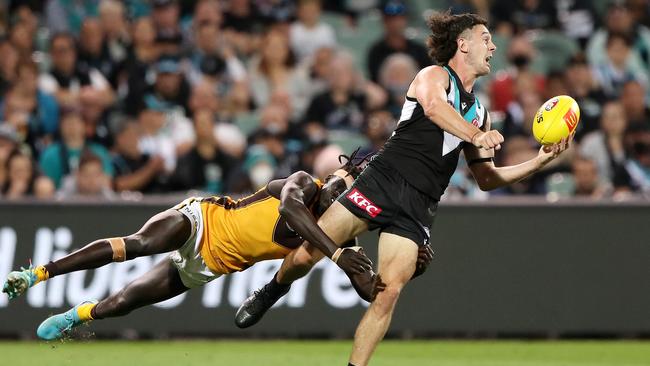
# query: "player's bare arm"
(490, 177)
(429, 88)
(296, 191)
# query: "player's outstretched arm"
(490, 177)
(298, 189)
(430, 90)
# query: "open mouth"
(487, 60)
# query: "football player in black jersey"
(399, 190)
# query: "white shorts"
(191, 267)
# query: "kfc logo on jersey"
(363, 203)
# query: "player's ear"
(462, 45)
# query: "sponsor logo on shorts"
(363, 203)
(571, 119)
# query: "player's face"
(480, 49)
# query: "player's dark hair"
(445, 29)
(350, 166)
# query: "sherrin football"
(556, 119)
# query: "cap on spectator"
(162, 3)
(393, 8)
(155, 104)
(168, 64)
(7, 132)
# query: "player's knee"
(304, 260)
(387, 299)
(120, 304)
(136, 245)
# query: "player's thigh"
(396, 259)
(340, 224)
(160, 283)
(164, 232)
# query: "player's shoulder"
(433, 74)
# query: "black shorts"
(388, 202)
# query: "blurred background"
(115, 99)
(113, 110)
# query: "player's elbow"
(288, 207)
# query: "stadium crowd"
(106, 97)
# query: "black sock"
(52, 269)
(277, 285)
(350, 364)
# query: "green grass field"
(315, 353)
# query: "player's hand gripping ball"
(556, 119)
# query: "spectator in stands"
(31, 110)
(170, 89)
(637, 142)
(617, 68)
(8, 64)
(258, 169)
(216, 62)
(510, 17)
(520, 113)
(555, 85)
(204, 97)
(242, 27)
(379, 126)
(606, 147)
(62, 158)
(584, 88)
(578, 19)
(585, 178)
(93, 50)
(23, 178)
(138, 66)
(67, 16)
(308, 33)
(166, 16)
(206, 167)
(394, 40)
(395, 76)
(620, 20)
(135, 171)
(165, 133)
(342, 106)
(8, 142)
(22, 36)
(521, 53)
(272, 134)
(633, 99)
(275, 69)
(71, 83)
(116, 30)
(88, 180)
(317, 68)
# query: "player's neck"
(465, 73)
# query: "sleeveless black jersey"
(424, 154)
